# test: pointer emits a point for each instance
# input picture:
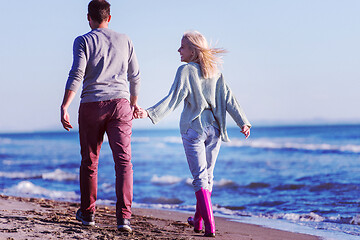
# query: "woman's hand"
(246, 131)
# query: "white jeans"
(201, 152)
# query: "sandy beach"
(31, 218)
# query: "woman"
(206, 98)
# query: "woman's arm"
(176, 95)
(237, 113)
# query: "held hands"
(246, 131)
(140, 113)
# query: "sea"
(302, 179)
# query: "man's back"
(106, 62)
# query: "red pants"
(115, 118)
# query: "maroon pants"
(115, 118)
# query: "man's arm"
(135, 107)
(133, 101)
(133, 76)
(65, 117)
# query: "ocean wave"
(4, 141)
(339, 227)
(355, 220)
(270, 203)
(286, 187)
(165, 180)
(313, 217)
(230, 210)
(309, 217)
(189, 181)
(240, 211)
(163, 140)
(17, 162)
(4, 156)
(171, 180)
(105, 202)
(156, 206)
(334, 187)
(256, 185)
(19, 175)
(268, 144)
(57, 175)
(225, 183)
(28, 189)
(107, 187)
(262, 143)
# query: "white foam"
(287, 144)
(26, 188)
(165, 180)
(189, 181)
(105, 202)
(59, 175)
(323, 233)
(310, 217)
(5, 141)
(156, 206)
(355, 220)
(223, 183)
(16, 162)
(18, 175)
(225, 211)
(7, 162)
(107, 187)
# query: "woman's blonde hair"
(205, 55)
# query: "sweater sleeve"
(77, 70)
(234, 109)
(176, 95)
(133, 73)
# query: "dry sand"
(30, 218)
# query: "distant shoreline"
(176, 128)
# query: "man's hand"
(65, 119)
(64, 115)
(135, 109)
(134, 106)
(246, 131)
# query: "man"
(106, 63)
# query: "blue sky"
(288, 61)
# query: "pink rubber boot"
(196, 221)
(205, 207)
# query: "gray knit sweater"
(206, 101)
(105, 60)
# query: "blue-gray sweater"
(206, 102)
(105, 60)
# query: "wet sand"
(31, 218)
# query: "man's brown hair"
(99, 10)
